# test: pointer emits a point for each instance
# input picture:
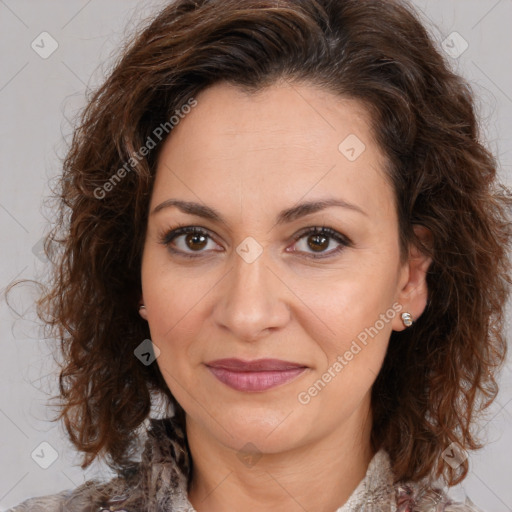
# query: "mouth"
(257, 375)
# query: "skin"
(249, 157)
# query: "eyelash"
(172, 234)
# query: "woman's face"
(258, 284)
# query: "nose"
(252, 300)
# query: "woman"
(278, 216)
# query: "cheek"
(348, 304)
(352, 326)
(175, 316)
(172, 311)
(174, 297)
(353, 340)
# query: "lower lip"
(255, 381)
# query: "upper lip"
(256, 365)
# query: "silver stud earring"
(142, 306)
(407, 319)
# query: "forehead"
(282, 144)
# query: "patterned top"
(159, 484)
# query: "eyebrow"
(285, 216)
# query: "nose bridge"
(252, 299)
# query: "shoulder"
(92, 496)
(50, 503)
(422, 497)
(380, 490)
(164, 465)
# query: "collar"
(161, 480)
(167, 462)
(376, 490)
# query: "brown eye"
(196, 241)
(187, 240)
(318, 240)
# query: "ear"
(413, 290)
(142, 310)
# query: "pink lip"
(257, 375)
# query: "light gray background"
(38, 98)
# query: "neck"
(319, 475)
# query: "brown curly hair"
(438, 375)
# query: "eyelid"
(332, 233)
(171, 234)
(165, 236)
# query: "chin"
(269, 429)
(263, 439)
